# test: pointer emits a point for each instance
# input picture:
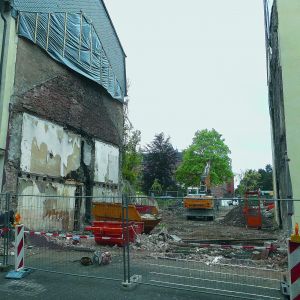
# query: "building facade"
(283, 48)
(62, 87)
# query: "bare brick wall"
(49, 90)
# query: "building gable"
(89, 26)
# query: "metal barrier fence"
(6, 233)
(232, 281)
(177, 253)
(56, 239)
(200, 257)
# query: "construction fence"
(147, 241)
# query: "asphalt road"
(49, 286)
(207, 282)
(176, 279)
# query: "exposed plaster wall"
(53, 210)
(106, 194)
(106, 163)
(47, 148)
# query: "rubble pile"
(58, 243)
(236, 217)
(155, 243)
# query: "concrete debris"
(216, 260)
(175, 238)
(158, 242)
(148, 217)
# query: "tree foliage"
(132, 160)
(249, 182)
(253, 180)
(160, 160)
(156, 186)
(266, 178)
(208, 145)
(132, 156)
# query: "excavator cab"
(199, 203)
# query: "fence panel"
(170, 254)
(208, 256)
(56, 239)
(6, 231)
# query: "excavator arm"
(205, 178)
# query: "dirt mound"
(236, 217)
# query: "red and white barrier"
(294, 269)
(19, 247)
(294, 264)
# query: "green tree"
(160, 159)
(132, 156)
(266, 178)
(249, 182)
(208, 145)
(156, 187)
(132, 160)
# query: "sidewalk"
(49, 286)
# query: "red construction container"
(252, 210)
(111, 232)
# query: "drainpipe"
(2, 3)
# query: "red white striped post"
(294, 264)
(19, 247)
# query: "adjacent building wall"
(7, 79)
(284, 91)
(288, 31)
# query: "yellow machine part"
(103, 211)
(198, 203)
(109, 211)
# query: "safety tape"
(76, 236)
(56, 234)
(243, 247)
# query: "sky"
(198, 64)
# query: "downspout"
(3, 40)
(3, 4)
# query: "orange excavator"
(199, 202)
